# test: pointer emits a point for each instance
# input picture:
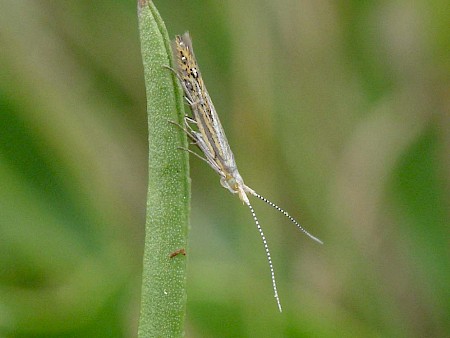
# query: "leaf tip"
(142, 3)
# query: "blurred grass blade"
(163, 299)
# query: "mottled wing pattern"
(210, 137)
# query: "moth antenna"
(269, 258)
(292, 219)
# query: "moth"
(206, 132)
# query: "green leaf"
(163, 302)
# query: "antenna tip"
(318, 240)
(279, 304)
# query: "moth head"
(235, 184)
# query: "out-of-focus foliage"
(336, 110)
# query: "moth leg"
(193, 153)
(190, 102)
(188, 132)
(177, 75)
(193, 104)
(195, 140)
(188, 96)
(170, 68)
(210, 158)
(198, 141)
(173, 71)
(189, 119)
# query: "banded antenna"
(264, 240)
(269, 258)
(284, 212)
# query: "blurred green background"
(336, 110)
